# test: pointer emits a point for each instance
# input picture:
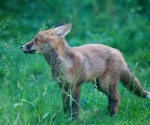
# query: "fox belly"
(93, 68)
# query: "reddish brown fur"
(84, 63)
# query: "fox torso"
(98, 59)
(82, 63)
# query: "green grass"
(29, 95)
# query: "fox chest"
(60, 74)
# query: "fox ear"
(62, 30)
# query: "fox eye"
(36, 39)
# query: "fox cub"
(71, 66)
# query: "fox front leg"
(65, 99)
(71, 99)
(66, 103)
(75, 101)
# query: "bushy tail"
(130, 81)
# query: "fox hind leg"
(113, 100)
(108, 86)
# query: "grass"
(29, 95)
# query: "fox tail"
(131, 82)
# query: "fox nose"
(21, 47)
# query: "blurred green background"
(118, 23)
(27, 92)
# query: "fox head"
(46, 39)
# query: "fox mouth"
(30, 52)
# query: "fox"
(72, 66)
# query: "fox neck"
(55, 57)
